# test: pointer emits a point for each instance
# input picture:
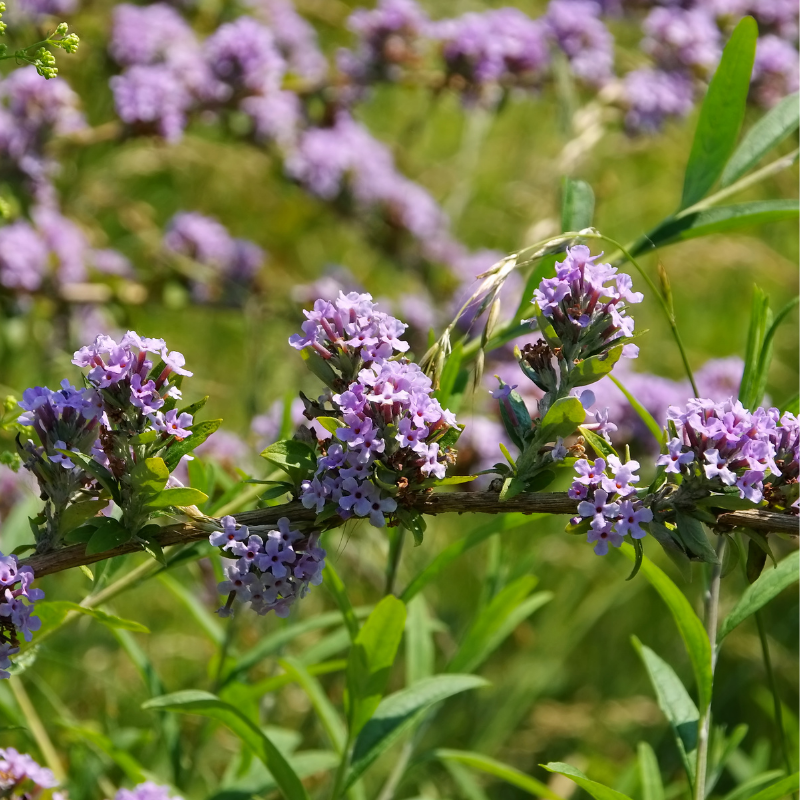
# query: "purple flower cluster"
(389, 40)
(123, 372)
(608, 499)
(728, 445)
(576, 27)
(295, 38)
(390, 425)
(20, 775)
(232, 262)
(50, 252)
(499, 47)
(146, 791)
(685, 41)
(17, 598)
(32, 111)
(586, 315)
(271, 571)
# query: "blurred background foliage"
(566, 685)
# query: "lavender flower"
(652, 96)
(500, 47)
(296, 39)
(17, 599)
(614, 510)
(389, 41)
(577, 29)
(391, 426)
(775, 73)
(679, 39)
(730, 446)
(271, 572)
(23, 257)
(146, 791)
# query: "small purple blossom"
(674, 458)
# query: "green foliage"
(207, 705)
(722, 114)
(596, 790)
(577, 205)
(756, 596)
(371, 658)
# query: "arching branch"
(432, 504)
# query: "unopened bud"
(62, 29)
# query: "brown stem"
(435, 503)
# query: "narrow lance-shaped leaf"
(783, 788)
(770, 584)
(335, 585)
(577, 205)
(722, 113)
(649, 773)
(398, 712)
(778, 123)
(675, 703)
(595, 789)
(208, 705)
(719, 219)
(691, 628)
(371, 657)
(492, 766)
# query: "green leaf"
(53, 613)
(778, 123)
(150, 476)
(319, 367)
(453, 551)
(760, 319)
(193, 408)
(517, 420)
(562, 419)
(97, 471)
(782, 788)
(208, 705)
(447, 380)
(507, 609)
(176, 450)
(500, 770)
(335, 585)
(643, 414)
(590, 370)
(419, 646)
(715, 220)
(176, 498)
(108, 534)
(292, 456)
(649, 773)
(371, 657)
(765, 356)
(675, 703)
(398, 712)
(596, 790)
(577, 205)
(331, 424)
(453, 480)
(693, 535)
(600, 446)
(722, 113)
(757, 595)
(691, 628)
(76, 514)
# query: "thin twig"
(431, 504)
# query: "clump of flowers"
(17, 598)
(146, 791)
(609, 502)
(391, 436)
(230, 264)
(272, 569)
(21, 777)
(725, 447)
(117, 439)
(582, 318)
